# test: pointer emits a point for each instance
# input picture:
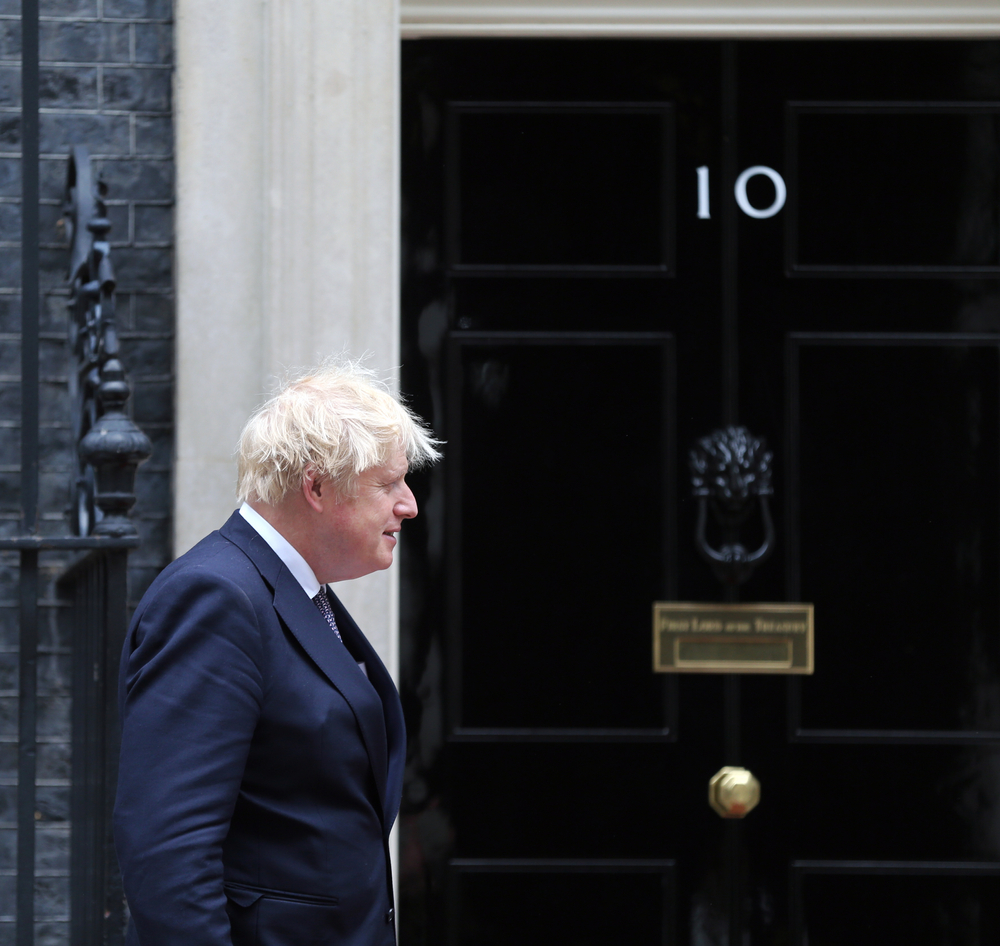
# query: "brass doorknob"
(733, 791)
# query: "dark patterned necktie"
(323, 603)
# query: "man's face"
(359, 532)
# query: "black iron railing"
(96, 586)
(109, 444)
(28, 573)
(110, 447)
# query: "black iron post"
(110, 445)
(28, 637)
(110, 448)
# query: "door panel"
(567, 902)
(541, 585)
(934, 905)
(550, 186)
(898, 188)
(576, 315)
(895, 458)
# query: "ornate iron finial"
(730, 469)
(109, 444)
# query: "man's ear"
(314, 490)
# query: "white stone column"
(219, 130)
(287, 228)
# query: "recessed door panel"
(869, 905)
(896, 453)
(547, 552)
(894, 188)
(552, 186)
(578, 903)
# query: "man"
(262, 738)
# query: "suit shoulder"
(210, 606)
(214, 566)
(214, 556)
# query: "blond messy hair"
(340, 420)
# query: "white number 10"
(780, 192)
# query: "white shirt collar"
(294, 562)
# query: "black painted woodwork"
(543, 187)
(571, 355)
(568, 384)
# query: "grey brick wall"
(106, 83)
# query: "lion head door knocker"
(731, 472)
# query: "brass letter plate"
(732, 638)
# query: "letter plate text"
(732, 638)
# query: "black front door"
(610, 250)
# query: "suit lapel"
(395, 727)
(308, 626)
(310, 629)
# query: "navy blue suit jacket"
(260, 770)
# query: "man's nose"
(406, 508)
